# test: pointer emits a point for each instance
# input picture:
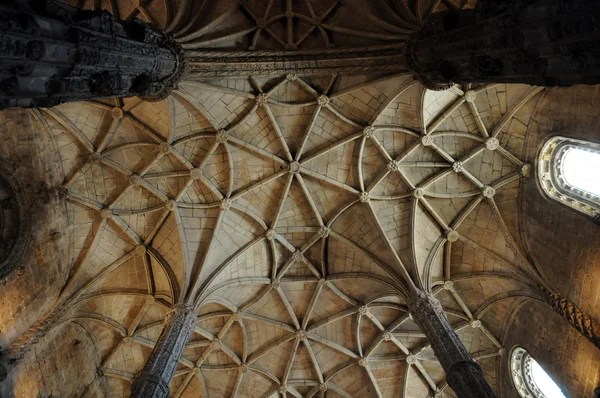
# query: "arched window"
(530, 379)
(569, 172)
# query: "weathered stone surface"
(544, 42)
(157, 374)
(52, 53)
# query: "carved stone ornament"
(324, 232)
(582, 322)
(196, 174)
(452, 236)
(226, 204)
(76, 52)
(462, 372)
(271, 234)
(419, 193)
(364, 197)
(522, 376)
(427, 140)
(552, 180)
(294, 167)
(457, 167)
(323, 100)
(369, 131)
(156, 376)
(492, 144)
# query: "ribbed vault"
(295, 211)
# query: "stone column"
(154, 380)
(51, 53)
(462, 373)
(537, 42)
(582, 322)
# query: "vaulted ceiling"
(295, 211)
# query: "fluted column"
(462, 373)
(156, 377)
(538, 42)
(582, 322)
(51, 53)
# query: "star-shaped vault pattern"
(295, 213)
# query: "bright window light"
(545, 382)
(581, 170)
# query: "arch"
(555, 161)
(529, 378)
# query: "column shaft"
(539, 42)
(51, 53)
(462, 373)
(156, 377)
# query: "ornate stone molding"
(520, 366)
(462, 373)
(376, 59)
(552, 181)
(51, 53)
(582, 322)
(156, 377)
